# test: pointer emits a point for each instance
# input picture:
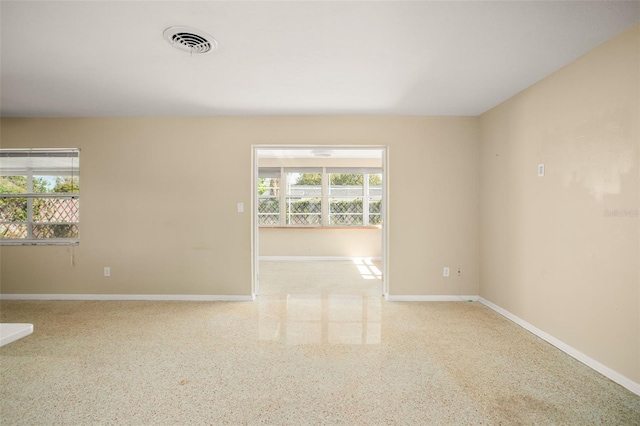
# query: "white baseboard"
(151, 297)
(590, 362)
(307, 258)
(432, 298)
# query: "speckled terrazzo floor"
(319, 346)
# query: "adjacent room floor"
(318, 346)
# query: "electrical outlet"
(445, 271)
(540, 170)
(107, 271)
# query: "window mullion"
(325, 197)
(30, 204)
(365, 199)
(282, 194)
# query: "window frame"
(366, 196)
(30, 173)
(270, 173)
(286, 197)
(325, 214)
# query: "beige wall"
(549, 252)
(331, 242)
(158, 201)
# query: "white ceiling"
(87, 58)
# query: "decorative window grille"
(269, 196)
(346, 199)
(303, 197)
(39, 196)
(320, 196)
(355, 196)
(375, 198)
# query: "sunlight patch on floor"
(367, 268)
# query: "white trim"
(384, 212)
(307, 258)
(385, 204)
(585, 359)
(151, 297)
(432, 298)
(255, 245)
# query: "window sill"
(39, 242)
(321, 227)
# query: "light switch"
(540, 170)
(240, 207)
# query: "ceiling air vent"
(190, 40)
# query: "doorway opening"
(320, 204)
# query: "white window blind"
(355, 170)
(269, 172)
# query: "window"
(320, 196)
(346, 199)
(39, 196)
(355, 196)
(303, 197)
(375, 198)
(269, 196)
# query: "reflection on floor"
(318, 346)
(323, 302)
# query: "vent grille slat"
(190, 40)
